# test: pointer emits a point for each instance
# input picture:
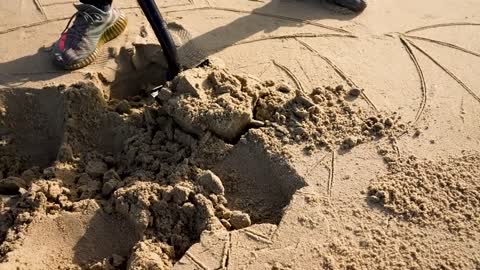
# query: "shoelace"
(82, 20)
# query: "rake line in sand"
(331, 175)
(342, 74)
(441, 25)
(445, 44)
(257, 236)
(423, 84)
(26, 26)
(290, 36)
(227, 251)
(39, 7)
(446, 70)
(263, 14)
(292, 76)
(196, 261)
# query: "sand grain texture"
(312, 138)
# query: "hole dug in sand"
(31, 128)
(35, 123)
(91, 181)
(258, 182)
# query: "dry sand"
(312, 139)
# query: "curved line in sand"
(441, 25)
(287, 18)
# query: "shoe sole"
(111, 33)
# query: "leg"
(100, 4)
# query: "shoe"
(79, 45)
(353, 5)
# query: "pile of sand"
(445, 193)
(327, 118)
(212, 100)
(149, 181)
(228, 105)
(150, 163)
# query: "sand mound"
(208, 157)
(326, 118)
(228, 105)
(213, 100)
(432, 193)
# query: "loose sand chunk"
(211, 183)
(96, 168)
(213, 100)
(240, 220)
(150, 255)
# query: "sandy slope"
(379, 205)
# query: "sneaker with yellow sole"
(80, 43)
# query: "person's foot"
(79, 45)
(353, 5)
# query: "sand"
(312, 138)
(434, 194)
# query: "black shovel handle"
(159, 26)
